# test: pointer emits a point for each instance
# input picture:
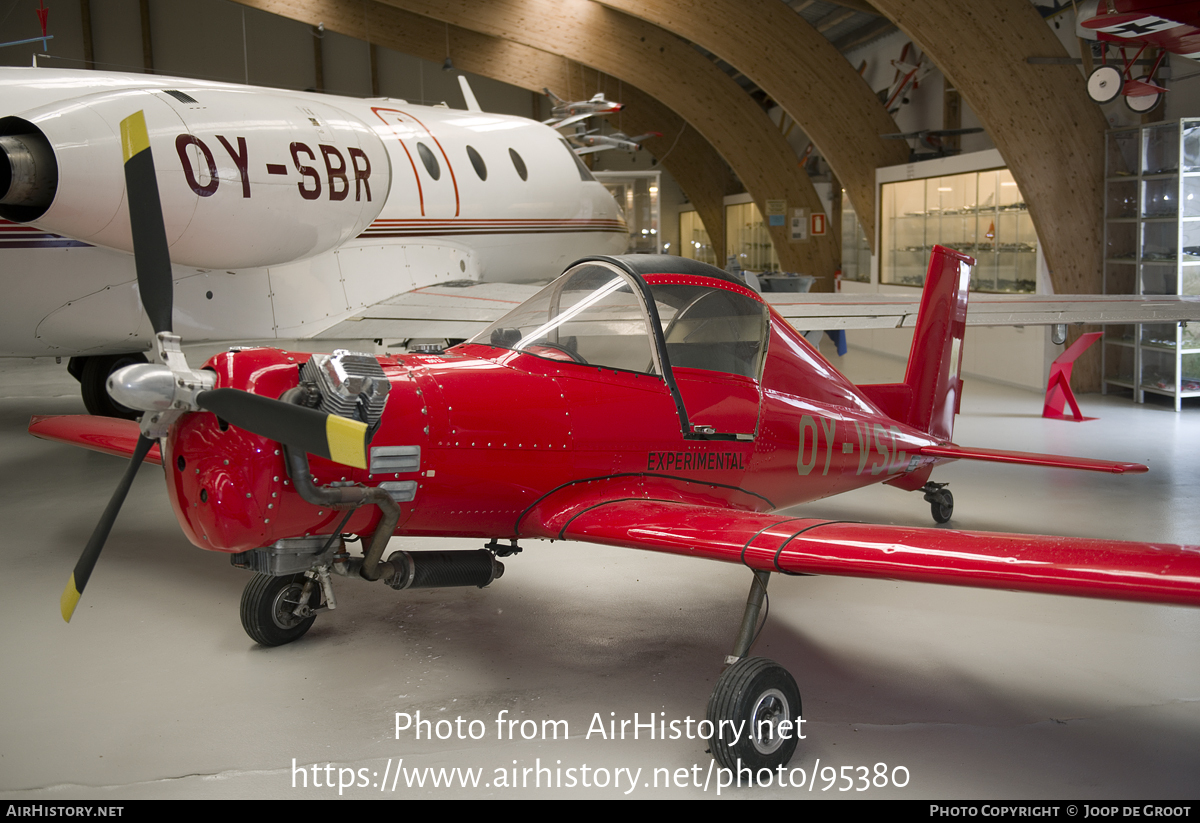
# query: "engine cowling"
(247, 178)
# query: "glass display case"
(1152, 246)
(636, 192)
(746, 235)
(694, 242)
(856, 251)
(980, 213)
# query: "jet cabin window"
(518, 164)
(712, 328)
(431, 163)
(592, 316)
(477, 163)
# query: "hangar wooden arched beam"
(692, 161)
(788, 59)
(1039, 116)
(670, 70)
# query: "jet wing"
(458, 311)
(569, 121)
(1110, 569)
(887, 311)
(451, 311)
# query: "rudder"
(929, 396)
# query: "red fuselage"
(501, 431)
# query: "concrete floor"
(154, 691)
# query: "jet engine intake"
(28, 171)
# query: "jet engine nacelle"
(246, 178)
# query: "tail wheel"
(757, 702)
(269, 608)
(942, 506)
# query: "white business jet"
(287, 213)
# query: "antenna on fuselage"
(468, 95)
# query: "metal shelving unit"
(1152, 246)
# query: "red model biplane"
(644, 401)
(1171, 26)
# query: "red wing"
(1112, 569)
(1054, 461)
(101, 434)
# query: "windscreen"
(592, 315)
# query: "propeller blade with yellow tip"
(150, 251)
(326, 435)
(91, 553)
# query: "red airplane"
(1171, 26)
(651, 402)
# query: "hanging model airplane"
(591, 143)
(911, 68)
(1171, 26)
(930, 140)
(286, 212)
(568, 113)
(648, 402)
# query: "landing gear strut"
(940, 500)
(755, 706)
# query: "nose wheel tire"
(757, 702)
(268, 608)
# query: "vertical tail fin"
(929, 396)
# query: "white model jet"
(587, 143)
(287, 213)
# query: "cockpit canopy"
(601, 314)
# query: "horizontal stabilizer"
(100, 434)
(1054, 461)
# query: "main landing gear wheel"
(760, 698)
(1142, 103)
(93, 384)
(269, 605)
(1104, 84)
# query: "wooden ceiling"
(705, 71)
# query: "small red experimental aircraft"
(643, 401)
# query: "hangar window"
(431, 163)
(477, 162)
(519, 164)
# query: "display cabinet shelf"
(1152, 246)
